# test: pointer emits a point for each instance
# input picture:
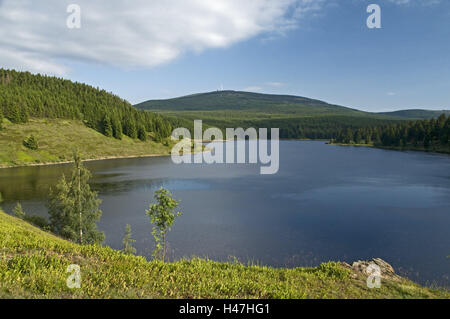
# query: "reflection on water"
(326, 203)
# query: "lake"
(326, 203)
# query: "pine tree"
(31, 143)
(18, 211)
(128, 242)
(142, 134)
(117, 128)
(376, 136)
(23, 114)
(348, 136)
(358, 137)
(446, 132)
(14, 114)
(107, 126)
(74, 207)
(130, 127)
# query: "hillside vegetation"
(297, 117)
(417, 114)
(44, 119)
(33, 264)
(246, 101)
(421, 135)
(24, 95)
(57, 139)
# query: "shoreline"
(395, 148)
(104, 158)
(83, 160)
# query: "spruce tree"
(14, 114)
(117, 128)
(74, 207)
(107, 126)
(128, 242)
(142, 134)
(23, 114)
(31, 143)
(130, 127)
(18, 211)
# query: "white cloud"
(275, 84)
(141, 33)
(420, 2)
(253, 89)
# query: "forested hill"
(24, 95)
(417, 114)
(428, 135)
(297, 117)
(246, 101)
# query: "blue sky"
(318, 49)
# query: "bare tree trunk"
(164, 247)
(79, 203)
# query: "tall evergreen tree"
(18, 211)
(14, 114)
(31, 143)
(142, 134)
(107, 126)
(128, 242)
(130, 128)
(23, 114)
(117, 128)
(74, 207)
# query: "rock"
(387, 271)
(359, 269)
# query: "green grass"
(33, 264)
(58, 139)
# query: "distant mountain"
(296, 116)
(416, 114)
(248, 102)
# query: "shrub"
(162, 215)
(38, 221)
(18, 211)
(31, 143)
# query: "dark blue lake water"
(325, 203)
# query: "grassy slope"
(58, 138)
(33, 264)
